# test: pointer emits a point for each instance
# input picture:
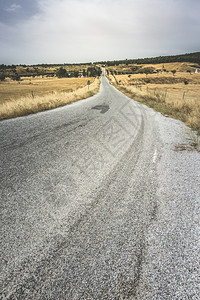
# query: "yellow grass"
(179, 67)
(166, 93)
(39, 86)
(22, 99)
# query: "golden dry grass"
(179, 67)
(166, 93)
(38, 86)
(18, 99)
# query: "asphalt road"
(97, 204)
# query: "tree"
(84, 73)
(61, 72)
(173, 72)
(2, 77)
(15, 77)
(93, 71)
(76, 73)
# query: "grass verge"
(171, 104)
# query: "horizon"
(89, 62)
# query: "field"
(31, 95)
(38, 86)
(175, 95)
(139, 68)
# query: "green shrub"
(84, 73)
(76, 73)
(15, 77)
(93, 71)
(2, 77)
(61, 72)
(173, 72)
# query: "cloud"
(91, 30)
(13, 7)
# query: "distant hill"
(188, 57)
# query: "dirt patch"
(187, 147)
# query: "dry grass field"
(36, 94)
(176, 95)
(179, 67)
(38, 86)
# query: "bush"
(61, 72)
(148, 70)
(93, 71)
(15, 77)
(76, 73)
(84, 73)
(134, 69)
(173, 72)
(2, 77)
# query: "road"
(97, 204)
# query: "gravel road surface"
(96, 203)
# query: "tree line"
(60, 72)
(89, 72)
(188, 57)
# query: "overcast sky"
(59, 31)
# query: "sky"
(74, 31)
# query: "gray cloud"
(12, 7)
(91, 30)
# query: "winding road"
(97, 204)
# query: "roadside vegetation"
(22, 95)
(29, 104)
(172, 88)
(70, 70)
